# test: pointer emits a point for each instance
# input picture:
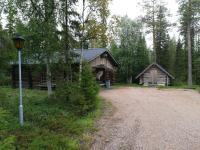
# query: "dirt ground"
(150, 119)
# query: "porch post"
(107, 79)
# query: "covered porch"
(103, 75)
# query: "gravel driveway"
(150, 119)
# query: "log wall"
(154, 76)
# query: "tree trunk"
(67, 45)
(154, 34)
(82, 42)
(129, 80)
(49, 84)
(189, 47)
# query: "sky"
(132, 9)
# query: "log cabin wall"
(102, 61)
(31, 75)
(104, 64)
(154, 76)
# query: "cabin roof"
(92, 53)
(88, 55)
(158, 66)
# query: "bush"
(89, 88)
(4, 80)
(69, 95)
(8, 143)
(78, 98)
(53, 142)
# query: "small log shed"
(154, 75)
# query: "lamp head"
(18, 41)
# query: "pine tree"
(172, 55)
(189, 11)
(180, 65)
(162, 38)
(151, 10)
(68, 18)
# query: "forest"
(52, 29)
(52, 26)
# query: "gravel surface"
(150, 119)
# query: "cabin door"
(154, 74)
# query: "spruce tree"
(180, 65)
(162, 38)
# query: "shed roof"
(158, 66)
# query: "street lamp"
(19, 43)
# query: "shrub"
(8, 143)
(53, 142)
(69, 95)
(89, 87)
(78, 98)
(4, 80)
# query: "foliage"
(8, 143)
(149, 19)
(172, 55)
(89, 88)
(131, 53)
(96, 17)
(180, 65)
(189, 20)
(162, 38)
(6, 55)
(79, 99)
(47, 125)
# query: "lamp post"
(19, 43)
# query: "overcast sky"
(133, 10)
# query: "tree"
(131, 53)
(68, 18)
(42, 17)
(162, 38)
(180, 63)
(6, 54)
(151, 9)
(189, 11)
(141, 56)
(10, 10)
(189, 45)
(95, 22)
(172, 55)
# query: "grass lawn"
(47, 126)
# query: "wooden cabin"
(102, 63)
(154, 75)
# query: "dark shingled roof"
(92, 53)
(157, 65)
(88, 55)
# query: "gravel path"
(150, 119)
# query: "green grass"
(47, 126)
